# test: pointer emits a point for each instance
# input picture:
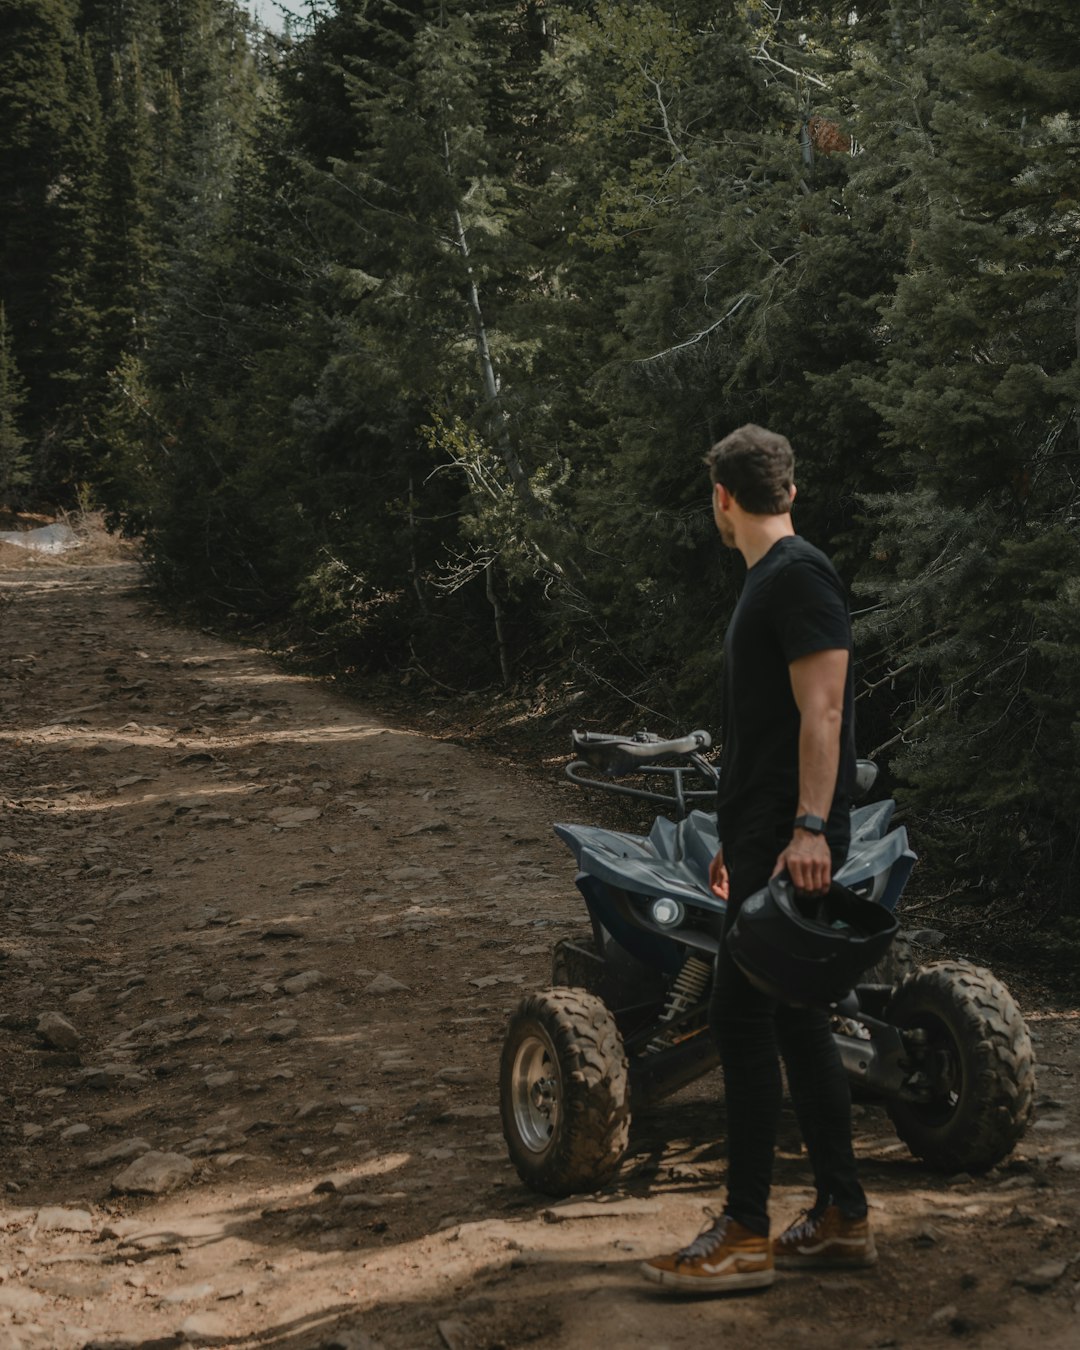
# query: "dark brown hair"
(757, 467)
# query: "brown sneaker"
(724, 1258)
(825, 1240)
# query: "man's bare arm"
(818, 682)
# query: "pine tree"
(36, 37)
(13, 461)
(709, 164)
(978, 546)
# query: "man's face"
(720, 501)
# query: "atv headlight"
(666, 912)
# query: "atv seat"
(616, 755)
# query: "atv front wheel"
(897, 962)
(977, 1064)
(564, 1092)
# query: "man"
(783, 802)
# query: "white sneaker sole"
(709, 1284)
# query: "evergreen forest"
(406, 330)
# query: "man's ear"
(794, 490)
(723, 496)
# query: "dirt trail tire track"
(285, 936)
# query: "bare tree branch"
(692, 341)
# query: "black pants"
(749, 1028)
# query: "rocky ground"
(258, 946)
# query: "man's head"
(757, 467)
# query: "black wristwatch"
(811, 824)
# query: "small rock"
(225, 1160)
(205, 1329)
(1042, 1277)
(300, 984)
(283, 1029)
(600, 1209)
(56, 1219)
(136, 895)
(316, 883)
(19, 1300)
(74, 1132)
(1069, 1162)
(187, 1293)
(57, 1032)
(282, 932)
(413, 874)
(127, 1148)
(107, 1076)
(454, 1334)
(217, 993)
(465, 1077)
(8, 841)
(384, 984)
(942, 1315)
(308, 1109)
(290, 817)
(220, 1080)
(154, 1174)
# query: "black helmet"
(808, 949)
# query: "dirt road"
(280, 938)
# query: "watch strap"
(812, 824)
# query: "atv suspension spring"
(686, 991)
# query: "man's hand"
(808, 860)
(718, 877)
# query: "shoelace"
(708, 1239)
(805, 1226)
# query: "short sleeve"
(809, 611)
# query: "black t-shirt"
(792, 604)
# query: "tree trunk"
(500, 632)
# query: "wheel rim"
(943, 1068)
(536, 1093)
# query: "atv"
(625, 1022)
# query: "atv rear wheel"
(564, 1092)
(978, 1063)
